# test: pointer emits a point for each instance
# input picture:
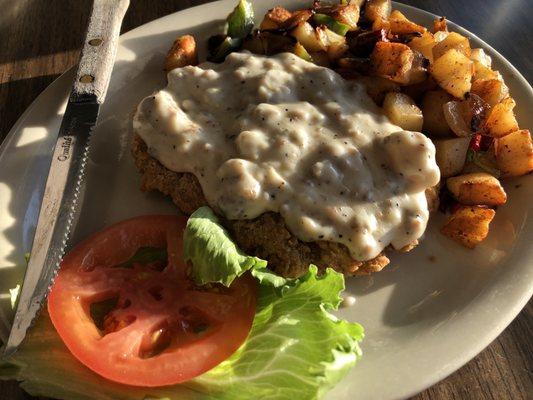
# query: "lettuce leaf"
(214, 256)
(296, 348)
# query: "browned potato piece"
(336, 44)
(275, 18)
(434, 121)
(481, 72)
(477, 189)
(452, 41)
(182, 53)
(348, 15)
(450, 155)
(501, 120)
(491, 90)
(514, 153)
(392, 61)
(432, 197)
(453, 72)
(480, 56)
(424, 45)
(439, 24)
(468, 225)
(377, 87)
(378, 10)
(400, 25)
(402, 111)
(313, 40)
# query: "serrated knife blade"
(68, 163)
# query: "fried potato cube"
(482, 57)
(376, 10)
(313, 40)
(450, 155)
(468, 225)
(452, 41)
(424, 45)
(400, 25)
(514, 153)
(477, 189)
(440, 24)
(481, 72)
(453, 72)
(491, 90)
(348, 14)
(275, 18)
(432, 108)
(402, 111)
(501, 120)
(182, 53)
(336, 44)
(377, 87)
(392, 61)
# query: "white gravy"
(284, 135)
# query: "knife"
(68, 163)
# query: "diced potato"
(182, 53)
(432, 107)
(402, 111)
(377, 10)
(482, 72)
(451, 155)
(298, 17)
(392, 61)
(313, 40)
(348, 15)
(477, 189)
(378, 87)
(452, 41)
(468, 225)
(491, 90)
(514, 153)
(480, 56)
(453, 72)
(439, 24)
(400, 25)
(275, 18)
(440, 36)
(336, 45)
(432, 197)
(424, 45)
(501, 120)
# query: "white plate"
(423, 319)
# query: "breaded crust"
(265, 236)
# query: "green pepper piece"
(227, 46)
(336, 26)
(301, 52)
(241, 20)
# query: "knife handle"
(99, 50)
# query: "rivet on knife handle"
(99, 50)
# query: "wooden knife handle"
(99, 50)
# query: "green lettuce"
(212, 252)
(296, 348)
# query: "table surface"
(41, 39)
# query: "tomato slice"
(155, 327)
